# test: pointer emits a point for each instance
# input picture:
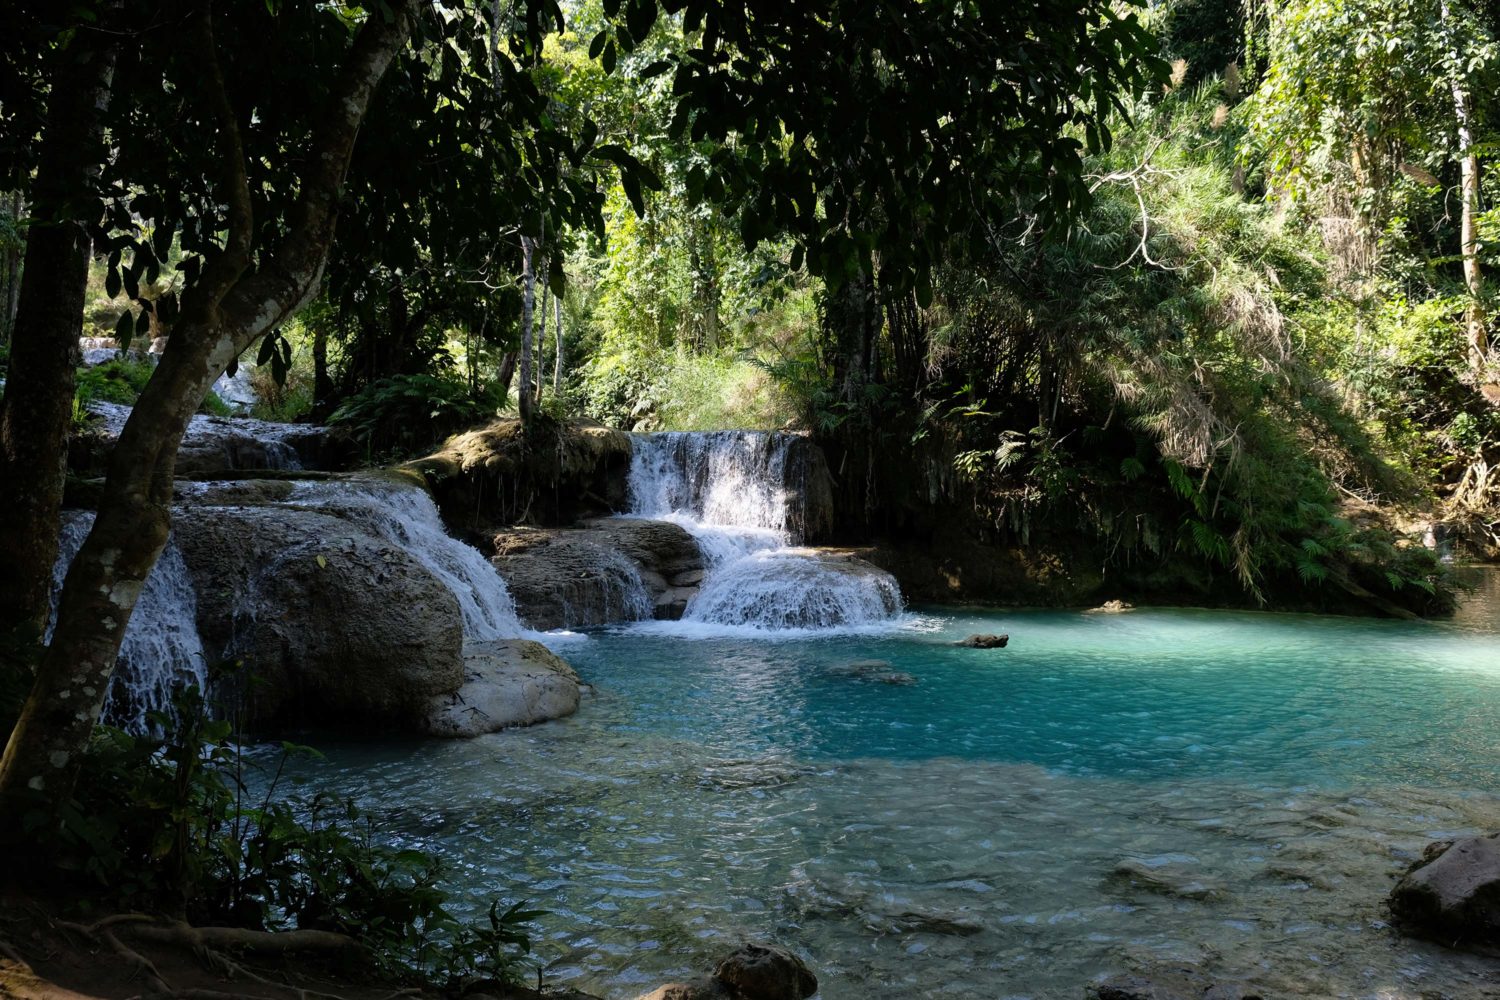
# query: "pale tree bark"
(38, 405)
(228, 308)
(557, 360)
(528, 300)
(1474, 320)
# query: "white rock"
(507, 682)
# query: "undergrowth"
(187, 823)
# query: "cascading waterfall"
(735, 492)
(161, 652)
(404, 515)
(244, 442)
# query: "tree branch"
(224, 268)
(259, 301)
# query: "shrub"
(170, 823)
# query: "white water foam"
(404, 515)
(731, 490)
(161, 652)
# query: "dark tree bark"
(14, 207)
(507, 373)
(323, 391)
(851, 323)
(38, 404)
(227, 309)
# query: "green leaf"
(124, 329)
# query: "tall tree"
(37, 407)
(241, 289)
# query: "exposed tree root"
(241, 940)
(100, 932)
(210, 944)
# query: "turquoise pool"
(1233, 790)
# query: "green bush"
(120, 380)
(171, 824)
(407, 414)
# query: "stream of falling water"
(735, 491)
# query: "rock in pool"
(507, 682)
(984, 641)
(874, 671)
(1453, 894)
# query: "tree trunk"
(322, 383)
(38, 404)
(1474, 320)
(528, 300)
(15, 206)
(557, 361)
(507, 374)
(228, 308)
(851, 322)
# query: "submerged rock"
(874, 672)
(507, 682)
(1167, 876)
(984, 641)
(1453, 894)
(1169, 984)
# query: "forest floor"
(45, 956)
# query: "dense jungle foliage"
(1214, 288)
(1258, 334)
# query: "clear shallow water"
(963, 835)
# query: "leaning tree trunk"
(528, 300)
(226, 310)
(1474, 319)
(38, 403)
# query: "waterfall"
(737, 493)
(161, 652)
(404, 515)
(237, 443)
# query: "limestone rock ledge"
(507, 682)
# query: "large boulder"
(1453, 894)
(609, 570)
(766, 972)
(507, 682)
(333, 624)
(750, 972)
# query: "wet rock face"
(500, 474)
(609, 570)
(1453, 894)
(507, 682)
(337, 627)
